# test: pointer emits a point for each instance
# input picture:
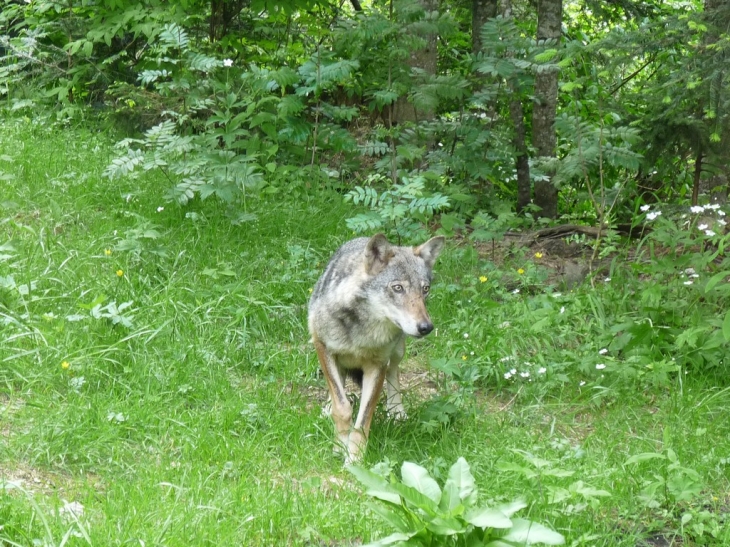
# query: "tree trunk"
(717, 18)
(549, 18)
(426, 60)
(519, 137)
(522, 164)
(222, 13)
(697, 176)
(481, 11)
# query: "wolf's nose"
(424, 328)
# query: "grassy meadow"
(157, 386)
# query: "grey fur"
(370, 296)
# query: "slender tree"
(549, 19)
(424, 59)
(481, 12)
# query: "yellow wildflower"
(520, 271)
(483, 279)
(120, 273)
(107, 252)
(538, 255)
(65, 365)
(463, 357)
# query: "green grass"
(199, 422)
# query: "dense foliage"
(232, 98)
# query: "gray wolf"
(371, 295)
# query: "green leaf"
(390, 540)
(546, 55)
(488, 518)
(510, 466)
(726, 327)
(511, 508)
(449, 497)
(460, 475)
(414, 497)
(588, 491)
(445, 526)
(558, 472)
(715, 279)
(645, 457)
(528, 532)
(376, 485)
(392, 517)
(417, 477)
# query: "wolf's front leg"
(340, 407)
(394, 401)
(372, 386)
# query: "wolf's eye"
(426, 288)
(398, 288)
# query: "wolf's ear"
(430, 250)
(378, 253)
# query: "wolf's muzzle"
(424, 328)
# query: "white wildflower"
(689, 271)
(702, 227)
(652, 216)
(557, 294)
(542, 370)
(516, 291)
(645, 208)
(507, 376)
(160, 209)
(721, 213)
(709, 233)
(600, 366)
(714, 206)
(525, 374)
(513, 371)
(116, 417)
(227, 63)
(697, 209)
(582, 383)
(603, 351)
(562, 309)
(466, 335)
(607, 280)
(721, 222)
(77, 382)
(688, 282)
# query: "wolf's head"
(400, 282)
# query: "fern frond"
(374, 148)
(202, 62)
(124, 165)
(174, 36)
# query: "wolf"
(371, 295)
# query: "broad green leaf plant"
(422, 513)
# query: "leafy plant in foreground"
(423, 513)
